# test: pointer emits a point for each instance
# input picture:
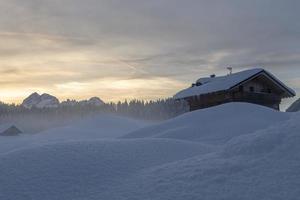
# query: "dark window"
(241, 88)
(269, 90)
(251, 89)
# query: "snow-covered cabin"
(9, 130)
(256, 86)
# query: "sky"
(125, 49)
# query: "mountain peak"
(35, 100)
(96, 101)
(40, 101)
(34, 94)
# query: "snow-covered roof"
(222, 83)
(9, 130)
(4, 127)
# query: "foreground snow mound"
(263, 165)
(215, 125)
(238, 151)
(84, 170)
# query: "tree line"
(147, 110)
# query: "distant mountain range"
(36, 100)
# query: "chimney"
(230, 70)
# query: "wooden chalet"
(256, 86)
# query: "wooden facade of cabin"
(261, 88)
(218, 98)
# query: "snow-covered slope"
(215, 125)
(84, 170)
(295, 107)
(96, 127)
(234, 151)
(262, 165)
(91, 128)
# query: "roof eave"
(289, 91)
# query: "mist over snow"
(232, 151)
(42, 112)
(134, 142)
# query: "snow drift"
(214, 125)
(90, 128)
(83, 170)
(233, 151)
(295, 107)
(99, 126)
(261, 165)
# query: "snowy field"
(235, 151)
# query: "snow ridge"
(295, 107)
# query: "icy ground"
(234, 152)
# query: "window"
(241, 88)
(251, 89)
(269, 91)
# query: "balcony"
(256, 97)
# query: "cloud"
(50, 43)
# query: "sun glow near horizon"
(109, 90)
(138, 52)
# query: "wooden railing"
(256, 97)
